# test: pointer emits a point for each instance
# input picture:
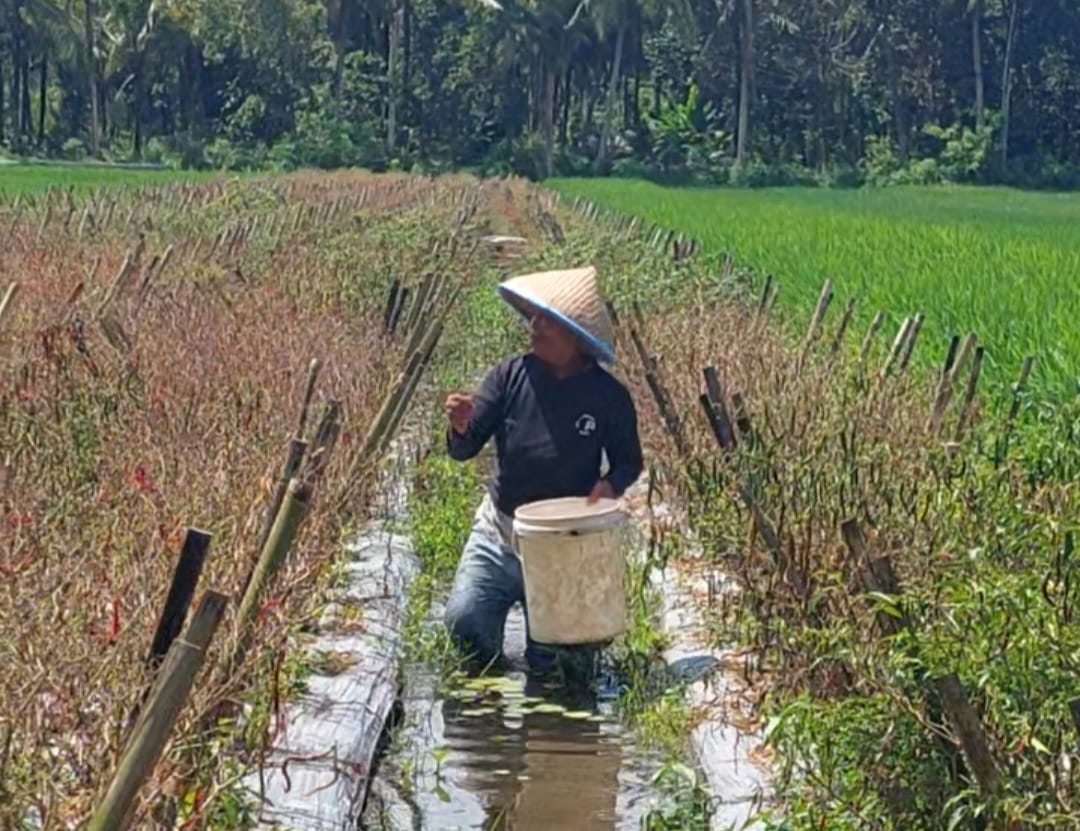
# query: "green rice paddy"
(34, 178)
(1000, 262)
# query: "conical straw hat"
(570, 296)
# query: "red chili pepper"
(142, 480)
(114, 620)
(267, 607)
(19, 519)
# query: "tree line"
(720, 90)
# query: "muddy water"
(508, 753)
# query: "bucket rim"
(578, 510)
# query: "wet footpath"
(381, 745)
(511, 751)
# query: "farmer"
(555, 414)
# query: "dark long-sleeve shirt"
(550, 433)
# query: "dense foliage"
(748, 91)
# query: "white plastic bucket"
(574, 568)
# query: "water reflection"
(512, 754)
(536, 770)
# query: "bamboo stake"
(720, 424)
(393, 303)
(716, 410)
(415, 318)
(1017, 391)
(953, 367)
(871, 333)
(967, 349)
(909, 345)
(764, 298)
(970, 732)
(16, 215)
(309, 392)
(154, 273)
(274, 552)
(86, 218)
(943, 391)
(418, 332)
(152, 730)
(814, 330)
(841, 329)
(969, 395)
(181, 590)
(294, 456)
(386, 412)
(45, 217)
(427, 349)
(660, 394)
(8, 302)
(1074, 710)
(742, 417)
(114, 334)
(418, 364)
(898, 345)
(323, 442)
(772, 300)
(127, 268)
(877, 577)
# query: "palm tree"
(549, 31)
(624, 17)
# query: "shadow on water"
(511, 752)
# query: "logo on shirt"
(585, 425)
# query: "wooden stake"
(323, 443)
(295, 454)
(898, 345)
(1017, 391)
(841, 329)
(868, 341)
(716, 410)
(814, 330)
(181, 590)
(660, 395)
(152, 730)
(274, 553)
(970, 732)
(309, 393)
(118, 283)
(969, 395)
(393, 304)
(1074, 710)
(877, 576)
(8, 302)
(909, 344)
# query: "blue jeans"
(487, 584)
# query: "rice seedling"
(17, 178)
(995, 261)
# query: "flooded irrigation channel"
(510, 751)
